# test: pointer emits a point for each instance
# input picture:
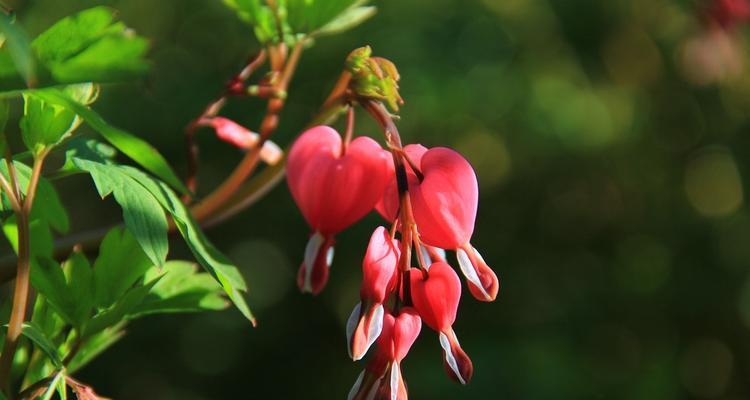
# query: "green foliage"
(132, 146)
(300, 17)
(91, 45)
(120, 264)
(143, 215)
(45, 124)
(15, 50)
(181, 289)
(87, 46)
(36, 335)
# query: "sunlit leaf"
(348, 19)
(122, 307)
(91, 46)
(132, 146)
(181, 289)
(36, 335)
(120, 263)
(204, 252)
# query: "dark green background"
(611, 207)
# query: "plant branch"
(245, 168)
(21, 290)
(233, 87)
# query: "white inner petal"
(449, 358)
(351, 325)
(425, 255)
(441, 252)
(311, 253)
(469, 272)
(329, 257)
(355, 389)
(478, 255)
(395, 380)
(376, 326)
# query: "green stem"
(21, 290)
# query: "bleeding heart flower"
(388, 205)
(378, 281)
(243, 138)
(445, 209)
(333, 189)
(436, 298)
(382, 378)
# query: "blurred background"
(611, 143)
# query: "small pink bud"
(379, 279)
(243, 138)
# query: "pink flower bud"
(379, 279)
(241, 137)
(379, 266)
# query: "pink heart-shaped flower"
(436, 296)
(331, 189)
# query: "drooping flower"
(243, 138)
(444, 203)
(333, 189)
(382, 377)
(435, 297)
(378, 281)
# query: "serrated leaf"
(120, 263)
(181, 289)
(117, 313)
(135, 148)
(18, 48)
(142, 213)
(204, 252)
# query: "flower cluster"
(430, 197)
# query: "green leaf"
(49, 280)
(80, 279)
(119, 310)
(142, 213)
(258, 14)
(120, 264)
(36, 335)
(204, 252)
(91, 46)
(45, 124)
(181, 289)
(132, 146)
(18, 48)
(350, 18)
(309, 16)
